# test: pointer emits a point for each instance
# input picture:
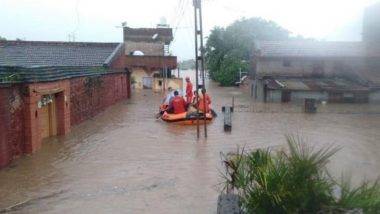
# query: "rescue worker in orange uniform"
(177, 104)
(204, 99)
(189, 90)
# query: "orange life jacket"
(189, 92)
(179, 105)
(201, 106)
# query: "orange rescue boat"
(185, 118)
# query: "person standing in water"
(204, 99)
(189, 90)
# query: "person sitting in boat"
(166, 101)
(177, 104)
(191, 109)
(168, 97)
(194, 101)
(204, 99)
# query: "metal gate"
(147, 82)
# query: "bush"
(296, 181)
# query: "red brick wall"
(77, 100)
(11, 124)
(91, 95)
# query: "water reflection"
(124, 160)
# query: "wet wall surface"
(125, 161)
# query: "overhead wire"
(181, 15)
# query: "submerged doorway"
(285, 96)
(147, 82)
(48, 116)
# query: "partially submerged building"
(48, 87)
(148, 58)
(330, 71)
(326, 71)
(371, 38)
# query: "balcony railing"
(152, 62)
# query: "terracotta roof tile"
(37, 54)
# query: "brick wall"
(76, 100)
(149, 49)
(90, 95)
(11, 125)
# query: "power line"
(182, 14)
(175, 10)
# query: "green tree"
(230, 49)
(3, 38)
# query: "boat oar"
(214, 114)
(158, 115)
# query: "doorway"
(48, 116)
(147, 82)
(285, 96)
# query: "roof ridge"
(16, 42)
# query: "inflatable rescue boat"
(186, 119)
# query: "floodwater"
(125, 161)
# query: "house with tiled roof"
(325, 71)
(48, 87)
(328, 71)
(37, 61)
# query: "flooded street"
(125, 161)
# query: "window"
(286, 63)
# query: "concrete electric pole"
(199, 59)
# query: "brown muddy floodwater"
(124, 161)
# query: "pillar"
(5, 149)
(33, 140)
(63, 112)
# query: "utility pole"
(199, 59)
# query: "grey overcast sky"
(98, 21)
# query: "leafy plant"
(293, 181)
(91, 83)
(366, 196)
(133, 80)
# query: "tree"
(371, 24)
(230, 49)
(3, 38)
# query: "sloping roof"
(315, 84)
(310, 49)
(147, 34)
(39, 54)
(45, 74)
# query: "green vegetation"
(296, 181)
(187, 64)
(3, 38)
(91, 83)
(230, 49)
